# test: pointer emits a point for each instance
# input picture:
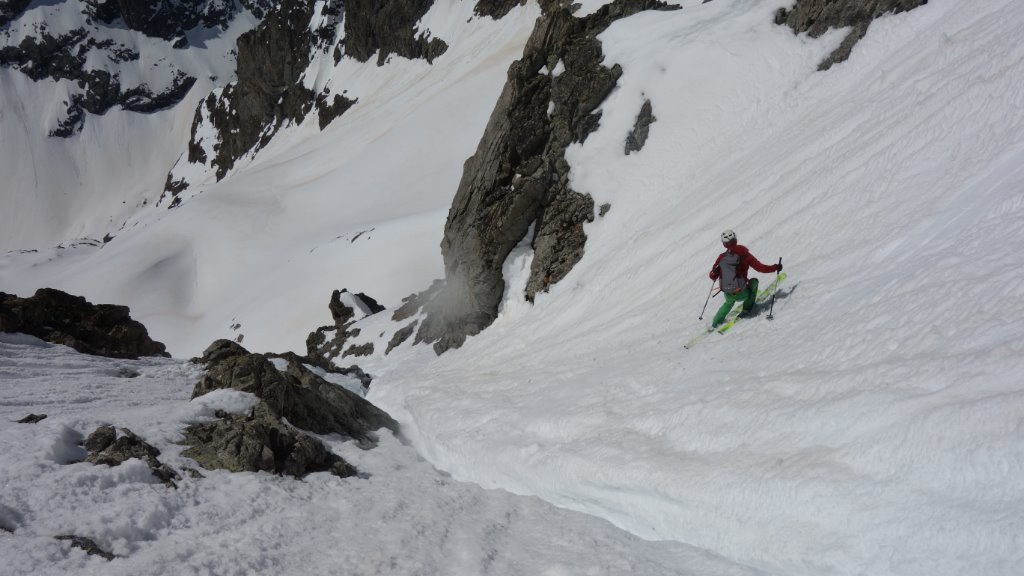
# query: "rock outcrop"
(637, 137)
(106, 446)
(815, 17)
(388, 27)
(327, 343)
(32, 419)
(267, 94)
(496, 9)
(60, 318)
(260, 441)
(518, 178)
(87, 545)
(297, 394)
(400, 336)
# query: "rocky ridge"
(248, 112)
(276, 59)
(66, 57)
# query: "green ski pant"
(747, 295)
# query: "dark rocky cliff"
(518, 177)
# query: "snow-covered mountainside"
(96, 103)
(563, 173)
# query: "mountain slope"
(92, 112)
(873, 427)
(359, 204)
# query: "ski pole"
(701, 317)
(772, 308)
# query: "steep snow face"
(360, 205)
(109, 164)
(874, 426)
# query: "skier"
(731, 270)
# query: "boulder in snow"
(106, 446)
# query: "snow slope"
(872, 428)
(400, 517)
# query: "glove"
(778, 267)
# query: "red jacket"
(747, 261)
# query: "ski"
(762, 297)
(734, 314)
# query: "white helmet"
(728, 237)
